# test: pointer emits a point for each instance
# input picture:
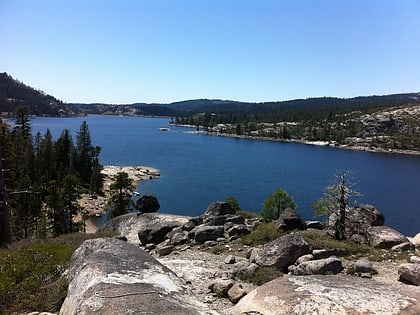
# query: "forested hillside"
(41, 179)
(14, 94)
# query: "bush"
(265, 233)
(261, 275)
(275, 204)
(31, 273)
(319, 239)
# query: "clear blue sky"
(122, 51)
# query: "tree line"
(41, 179)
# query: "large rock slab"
(154, 224)
(340, 294)
(110, 276)
(281, 252)
(384, 237)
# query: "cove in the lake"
(198, 169)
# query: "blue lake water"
(198, 169)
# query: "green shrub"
(31, 273)
(319, 239)
(275, 204)
(265, 233)
(261, 275)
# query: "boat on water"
(165, 129)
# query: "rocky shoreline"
(307, 142)
(96, 205)
(193, 265)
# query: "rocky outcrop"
(289, 220)
(281, 252)
(130, 225)
(384, 237)
(301, 295)
(110, 276)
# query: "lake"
(198, 169)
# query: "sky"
(156, 51)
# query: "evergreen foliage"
(41, 179)
(121, 190)
(275, 204)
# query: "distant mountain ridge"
(14, 93)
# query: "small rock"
(210, 243)
(317, 225)
(363, 265)
(236, 292)
(164, 250)
(179, 238)
(239, 229)
(150, 246)
(319, 267)
(303, 258)
(324, 253)
(416, 240)
(415, 259)
(410, 273)
(402, 247)
(221, 286)
(230, 259)
(366, 275)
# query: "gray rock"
(363, 265)
(402, 247)
(109, 276)
(230, 259)
(245, 269)
(416, 240)
(210, 243)
(415, 259)
(281, 252)
(384, 237)
(179, 238)
(235, 219)
(325, 253)
(319, 267)
(303, 258)
(221, 286)
(239, 229)
(236, 292)
(409, 273)
(218, 208)
(207, 233)
(155, 234)
(340, 294)
(317, 225)
(289, 220)
(130, 225)
(188, 226)
(164, 248)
